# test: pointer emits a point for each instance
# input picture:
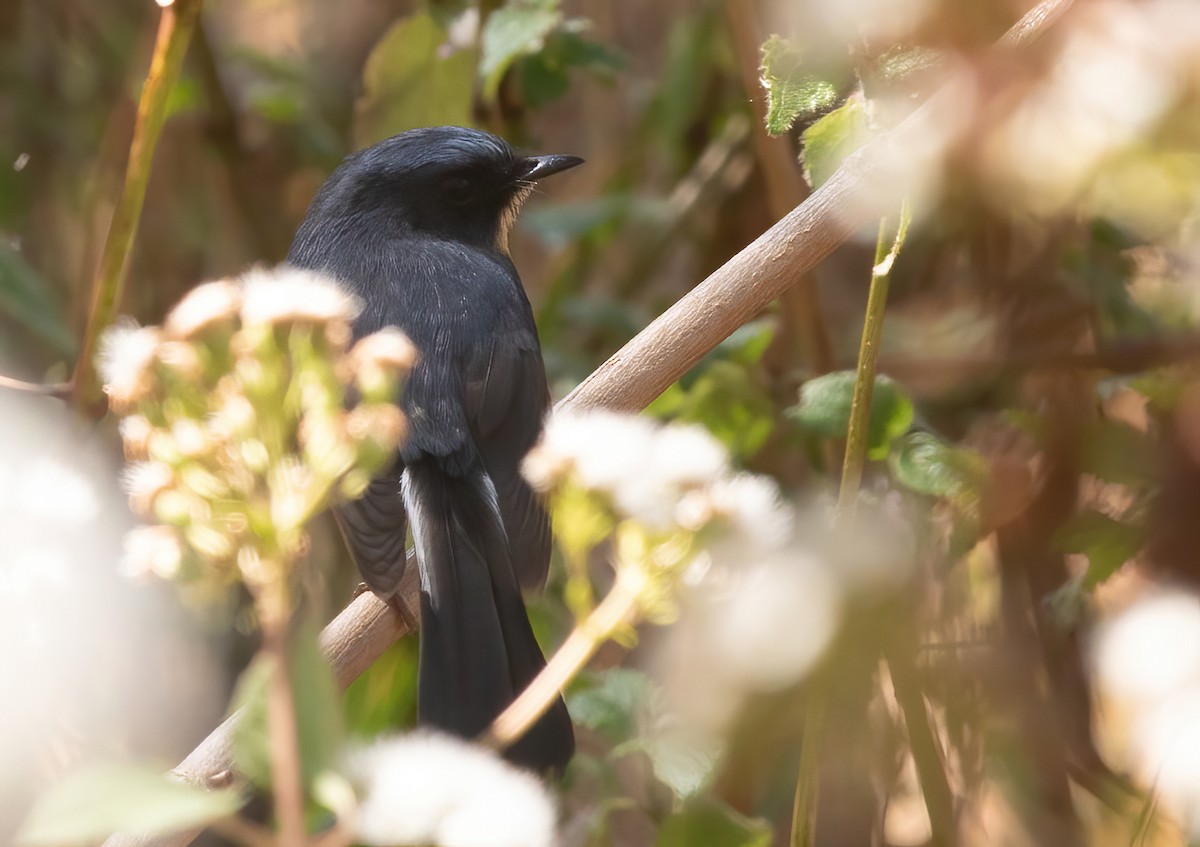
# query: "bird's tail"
(477, 648)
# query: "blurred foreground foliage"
(1035, 433)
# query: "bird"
(417, 227)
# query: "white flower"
(143, 481)
(1152, 649)
(126, 357)
(753, 507)
(294, 295)
(57, 492)
(203, 307)
(389, 348)
(425, 788)
(604, 450)
(1167, 740)
(686, 455)
(773, 620)
(1148, 660)
(151, 551)
(643, 467)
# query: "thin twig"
(175, 28)
(927, 750)
(53, 389)
(615, 610)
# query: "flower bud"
(127, 354)
(212, 305)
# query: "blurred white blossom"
(286, 294)
(127, 354)
(774, 620)
(1120, 68)
(93, 663)
(431, 789)
(204, 306)
(1148, 662)
(660, 476)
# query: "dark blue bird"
(417, 227)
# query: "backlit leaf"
(101, 799)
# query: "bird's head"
(450, 182)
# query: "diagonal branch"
(869, 182)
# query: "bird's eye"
(457, 190)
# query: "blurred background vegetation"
(1044, 457)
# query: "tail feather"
(477, 648)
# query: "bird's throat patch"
(509, 217)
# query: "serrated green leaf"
(686, 766)
(1107, 542)
(26, 298)
(824, 409)
(926, 464)
(832, 138)
(101, 799)
(791, 92)
(610, 706)
(319, 721)
(512, 32)
(712, 824)
(410, 80)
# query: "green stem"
(804, 804)
(175, 29)
(868, 356)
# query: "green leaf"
(791, 93)
(685, 765)
(386, 694)
(926, 464)
(903, 63)
(511, 33)
(728, 401)
(26, 298)
(319, 719)
(832, 138)
(712, 824)
(1108, 543)
(1116, 452)
(610, 706)
(412, 79)
(545, 75)
(824, 409)
(98, 800)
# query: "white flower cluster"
(236, 424)
(430, 789)
(659, 476)
(760, 609)
(1148, 662)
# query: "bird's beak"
(533, 168)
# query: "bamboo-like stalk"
(175, 28)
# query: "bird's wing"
(506, 400)
(375, 529)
